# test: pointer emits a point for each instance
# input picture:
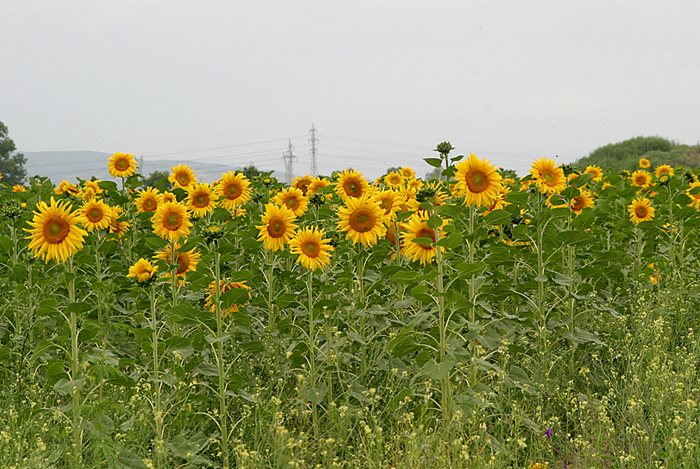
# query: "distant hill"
(626, 154)
(59, 165)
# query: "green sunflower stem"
(541, 292)
(223, 412)
(446, 388)
(173, 282)
(312, 349)
(77, 421)
(471, 254)
(158, 416)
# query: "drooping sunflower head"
(596, 172)
(54, 232)
(117, 225)
(641, 178)
(312, 249)
(293, 199)
(121, 165)
(584, 199)
(233, 190)
(418, 239)
(407, 172)
(477, 181)
(95, 215)
(277, 228)
(548, 176)
(641, 210)
(182, 261)
(644, 163)
(142, 271)
(391, 202)
(210, 300)
(363, 220)
(200, 199)
(351, 183)
(148, 200)
(664, 172)
(182, 176)
(302, 183)
(394, 180)
(171, 221)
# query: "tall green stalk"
(77, 421)
(158, 416)
(223, 412)
(312, 348)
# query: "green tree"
(157, 179)
(11, 162)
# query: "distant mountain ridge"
(626, 154)
(70, 165)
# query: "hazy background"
(383, 81)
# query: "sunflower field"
(476, 320)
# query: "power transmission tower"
(313, 140)
(288, 157)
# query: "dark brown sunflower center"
(426, 233)
(352, 188)
(95, 214)
(477, 181)
(291, 202)
(122, 164)
(201, 200)
(172, 221)
(183, 262)
(232, 191)
(55, 230)
(183, 179)
(362, 220)
(149, 205)
(276, 228)
(578, 203)
(641, 211)
(310, 248)
(640, 180)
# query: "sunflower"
(363, 220)
(311, 247)
(548, 176)
(117, 226)
(693, 192)
(393, 235)
(277, 228)
(407, 173)
(142, 271)
(171, 221)
(148, 200)
(500, 201)
(65, 187)
(664, 172)
(87, 194)
(414, 228)
(584, 199)
(414, 184)
(351, 184)
(555, 201)
(95, 215)
(54, 232)
(477, 181)
(186, 261)
(644, 163)
(596, 172)
(121, 165)
(200, 199)
(394, 180)
(224, 286)
(233, 189)
(641, 178)
(391, 202)
(94, 185)
(169, 197)
(182, 176)
(641, 210)
(19, 188)
(302, 183)
(293, 199)
(317, 184)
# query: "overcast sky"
(383, 81)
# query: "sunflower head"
(664, 172)
(312, 249)
(644, 163)
(351, 184)
(182, 176)
(171, 221)
(121, 165)
(54, 232)
(95, 215)
(277, 227)
(363, 220)
(317, 184)
(182, 261)
(548, 176)
(200, 199)
(65, 187)
(407, 173)
(584, 199)
(596, 172)
(394, 179)
(142, 271)
(148, 200)
(302, 183)
(641, 178)
(233, 190)
(641, 210)
(210, 300)
(477, 181)
(693, 191)
(419, 240)
(293, 199)
(391, 202)
(116, 225)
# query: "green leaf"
(498, 217)
(434, 221)
(235, 296)
(434, 162)
(438, 371)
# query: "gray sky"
(384, 81)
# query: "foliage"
(626, 154)
(157, 179)
(11, 162)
